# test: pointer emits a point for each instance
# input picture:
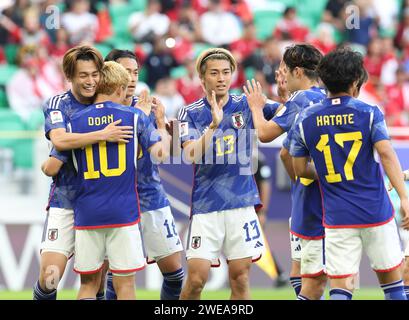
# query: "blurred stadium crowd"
(167, 35)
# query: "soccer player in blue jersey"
(81, 67)
(299, 66)
(160, 238)
(107, 203)
(341, 134)
(216, 135)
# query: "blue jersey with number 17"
(339, 134)
(107, 172)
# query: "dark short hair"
(288, 10)
(116, 54)
(303, 56)
(340, 68)
(85, 53)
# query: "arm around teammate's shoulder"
(63, 140)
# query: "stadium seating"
(6, 71)
(265, 22)
(14, 136)
(3, 98)
(11, 51)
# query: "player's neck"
(308, 84)
(104, 98)
(81, 99)
(127, 101)
(339, 94)
(223, 100)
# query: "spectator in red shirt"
(246, 46)
(289, 27)
(189, 85)
(373, 60)
(397, 103)
(324, 40)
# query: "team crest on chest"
(52, 234)
(238, 120)
(196, 242)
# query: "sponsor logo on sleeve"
(56, 116)
(183, 129)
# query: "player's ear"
(298, 72)
(202, 84)
(355, 88)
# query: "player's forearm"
(51, 167)
(68, 141)
(196, 149)
(393, 170)
(267, 130)
(163, 151)
(304, 169)
(288, 163)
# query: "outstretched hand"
(282, 90)
(158, 110)
(255, 96)
(217, 111)
(144, 102)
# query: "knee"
(240, 279)
(50, 276)
(92, 281)
(197, 282)
(406, 273)
(314, 289)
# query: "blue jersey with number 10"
(339, 134)
(107, 193)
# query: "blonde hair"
(214, 54)
(86, 53)
(113, 76)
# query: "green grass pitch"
(256, 294)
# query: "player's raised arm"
(267, 130)
(288, 163)
(161, 150)
(51, 166)
(195, 149)
(303, 168)
(393, 170)
(63, 140)
(145, 102)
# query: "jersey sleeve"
(379, 131)
(270, 109)
(187, 129)
(62, 156)
(54, 116)
(297, 146)
(147, 133)
(285, 117)
(287, 140)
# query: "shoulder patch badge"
(56, 116)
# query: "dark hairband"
(212, 54)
